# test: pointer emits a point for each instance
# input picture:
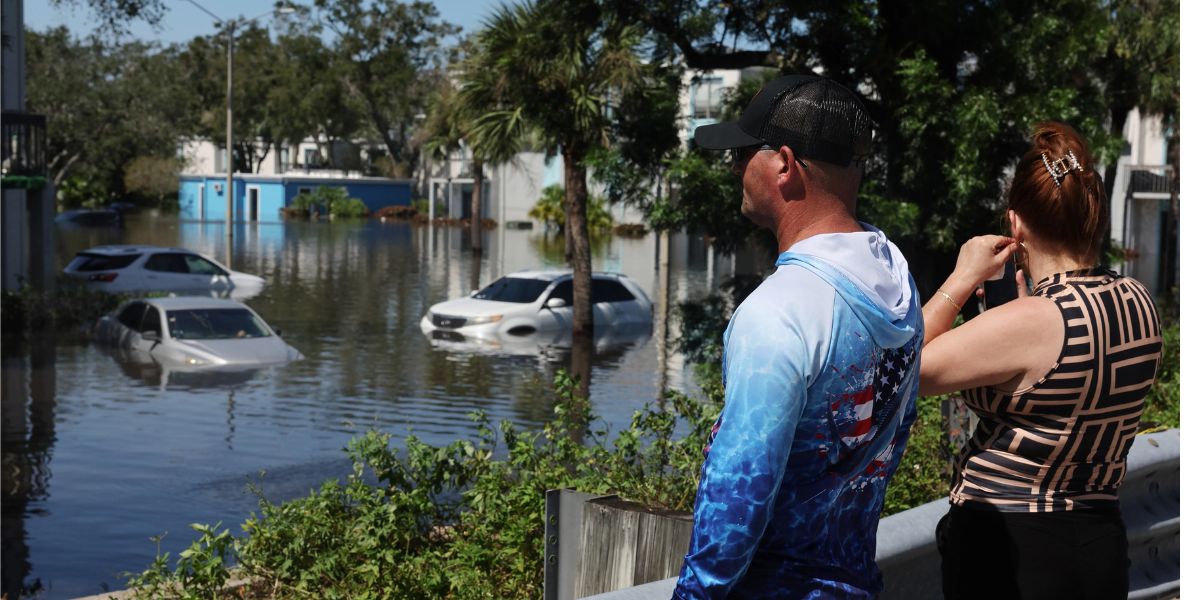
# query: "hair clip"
(1060, 166)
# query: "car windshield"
(513, 289)
(215, 324)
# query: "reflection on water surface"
(102, 451)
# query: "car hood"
(473, 307)
(254, 351)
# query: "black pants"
(1030, 556)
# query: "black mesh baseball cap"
(814, 116)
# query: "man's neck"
(797, 226)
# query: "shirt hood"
(870, 274)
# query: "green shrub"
(549, 210)
(458, 521)
(200, 572)
(1162, 402)
(422, 206)
(81, 192)
(347, 208)
(333, 201)
(69, 308)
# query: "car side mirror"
(278, 332)
(556, 303)
(150, 336)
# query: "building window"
(219, 160)
(311, 157)
(284, 159)
(706, 98)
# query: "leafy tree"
(1140, 68)
(644, 140)
(105, 104)
(153, 177)
(115, 15)
(558, 67)
(383, 52)
(955, 87)
(309, 98)
(549, 210)
(257, 74)
(493, 134)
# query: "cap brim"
(723, 136)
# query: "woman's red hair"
(1073, 213)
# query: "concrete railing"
(908, 556)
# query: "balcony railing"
(1149, 179)
(24, 148)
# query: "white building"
(1144, 214)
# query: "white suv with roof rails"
(531, 302)
(135, 269)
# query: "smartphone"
(1003, 289)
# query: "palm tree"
(553, 68)
(463, 109)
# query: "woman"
(1057, 378)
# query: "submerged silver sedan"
(195, 332)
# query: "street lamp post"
(229, 137)
(230, 26)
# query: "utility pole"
(229, 139)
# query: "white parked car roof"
(192, 302)
(116, 249)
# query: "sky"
(183, 21)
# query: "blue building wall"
(202, 198)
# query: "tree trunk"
(260, 159)
(1117, 128)
(1117, 117)
(568, 244)
(577, 234)
(476, 206)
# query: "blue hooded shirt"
(821, 366)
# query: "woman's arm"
(978, 258)
(1009, 346)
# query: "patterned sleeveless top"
(1061, 443)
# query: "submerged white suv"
(130, 269)
(531, 302)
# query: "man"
(820, 365)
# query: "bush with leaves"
(333, 201)
(81, 192)
(1162, 402)
(68, 308)
(464, 520)
(347, 208)
(549, 210)
(201, 572)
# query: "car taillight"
(102, 277)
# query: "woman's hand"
(980, 257)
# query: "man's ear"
(791, 175)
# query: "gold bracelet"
(950, 299)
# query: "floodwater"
(99, 455)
